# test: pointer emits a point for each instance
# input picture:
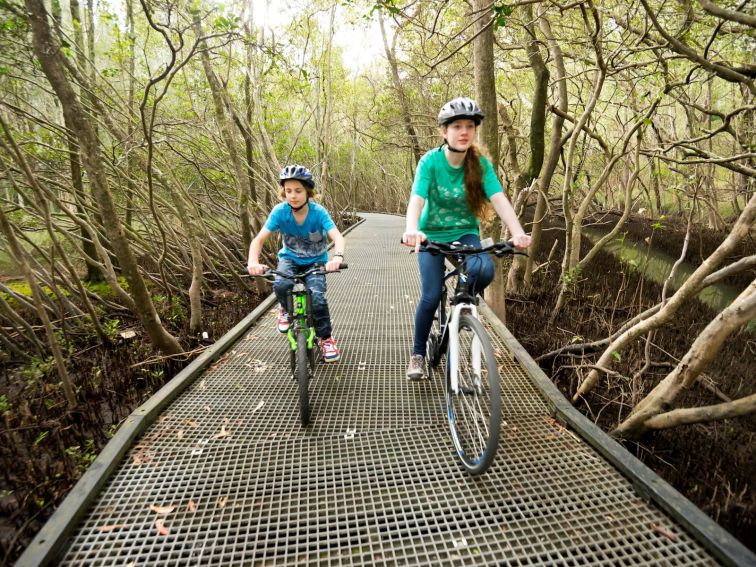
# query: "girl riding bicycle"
(305, 227)
(452, 185)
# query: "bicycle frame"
(299, 300)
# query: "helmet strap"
(300, 207)
(455, 150)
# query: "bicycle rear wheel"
(474, 411)
(303, 379)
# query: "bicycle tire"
(303, 379)
(474, 412)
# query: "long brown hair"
(476, 196)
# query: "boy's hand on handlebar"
(521, 241)
(257, 269)
(333, 265)
(413, 239)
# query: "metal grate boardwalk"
(374, 479)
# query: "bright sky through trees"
(359, 39)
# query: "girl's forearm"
(506, 213)
(414, 208)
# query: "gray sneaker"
(416, 367)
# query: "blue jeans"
(316, 283)
(480, 271)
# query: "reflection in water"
(656, 266)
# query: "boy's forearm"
(339, 243)
(254, 251)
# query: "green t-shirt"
(446, 216)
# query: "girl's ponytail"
(476, 196)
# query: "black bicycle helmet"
(459, 108)
(298, 172)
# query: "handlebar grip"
(343, 266)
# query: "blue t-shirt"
(305, 243)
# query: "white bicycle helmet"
(460, 108)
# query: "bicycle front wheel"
(474, 409)
(303, 379)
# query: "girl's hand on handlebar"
(413, 239)
(521, 241)
(257, 269)
(333, 265)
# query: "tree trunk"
(403, 102)
(51, 60)
(227, 131)
(554, 149)
(516, 275)
(485, 77)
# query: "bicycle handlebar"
(320, 269)
(498, 249)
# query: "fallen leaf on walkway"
(191, 423)
(261, 404)
(223, 433)
(111, 527)
(553, 422)
(222, 501)
(207, 408)
(180, 433)
(162, 509)
(202, 385)
(656, 528)
(162, 530)
(192, 506)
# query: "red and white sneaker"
(329, 349)
(282, 320)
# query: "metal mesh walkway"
(226, 476)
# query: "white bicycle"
(473, 393)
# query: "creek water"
(656, 266)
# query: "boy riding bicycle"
(305, 228)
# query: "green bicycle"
(301, 333)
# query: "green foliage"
(110, 433)
(388, 6)
(82, 457)
(571, 278)
(110, 326)
(172, 311)
(4, 403)
(37, 369)
(226, 23)
(501, 12)
(41, 436)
